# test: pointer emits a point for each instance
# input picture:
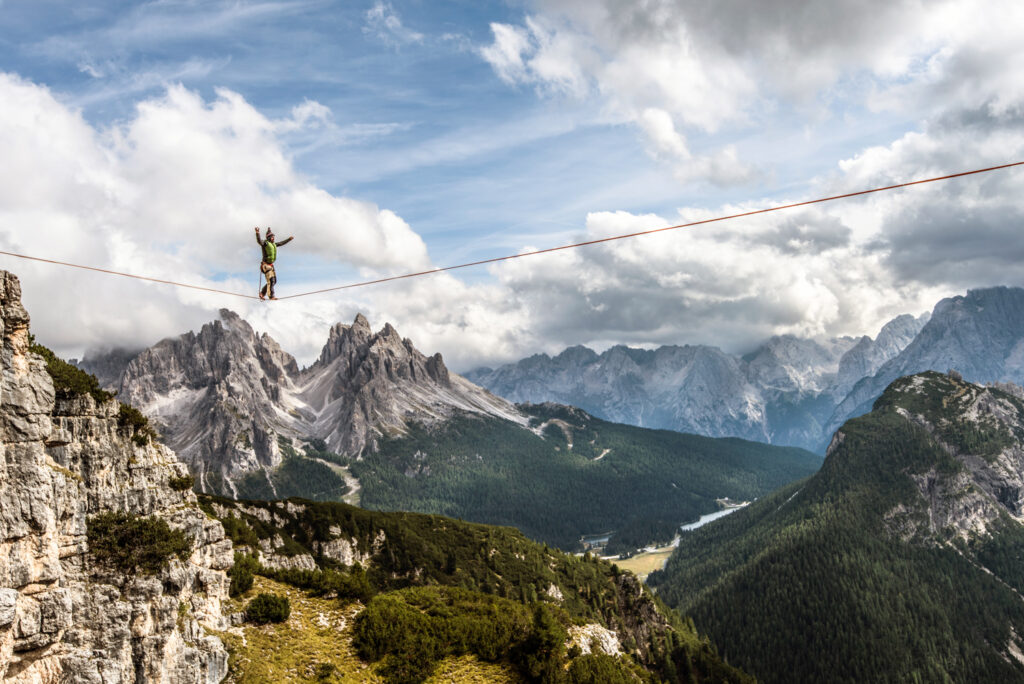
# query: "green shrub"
(181, 484)
(239, 532)
(268, 608)
(353, 584)
(68, 380)
(541, 655)
(131, 420)
(130, 543)
(241, 574)
(412, 629)
(599, 669)
(323, 672)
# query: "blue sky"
(395, 136)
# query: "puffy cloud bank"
(722, 68)
(174, 191)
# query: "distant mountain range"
(898, 561)
(784, 392)
(789, 391)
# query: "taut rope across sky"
(525, 254)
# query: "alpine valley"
(374, 421)
(112, 570)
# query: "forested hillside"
(433, 588)
(573, 474)
(898, 561)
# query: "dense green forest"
(843, 577)
(579, 475)
(437, 586)
(307, 471)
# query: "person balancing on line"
(269, 257)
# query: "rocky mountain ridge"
(225, 397)
(789, 391)
(980, 334)
(781, 393)
(64, 614)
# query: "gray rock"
(784, 392)
(8, 601)
(63, 461)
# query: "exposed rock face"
(63, 616)
(224, 395)
(691, 389)
(868, 355)
(366, 384)
(594, 638)
(219, 396)
(988, 487)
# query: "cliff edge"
(67, 614)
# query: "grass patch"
(643, 564)
(315, 645)
(65, 472)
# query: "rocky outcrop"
(64, 616)
(988, 484)
(367, 384)
(224, 396)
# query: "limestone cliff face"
(63, 616)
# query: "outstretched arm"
(258, 240)
(282, 243)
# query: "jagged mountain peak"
(226, 395)
(575, 354)
(342, 339)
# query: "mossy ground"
(319, 631)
